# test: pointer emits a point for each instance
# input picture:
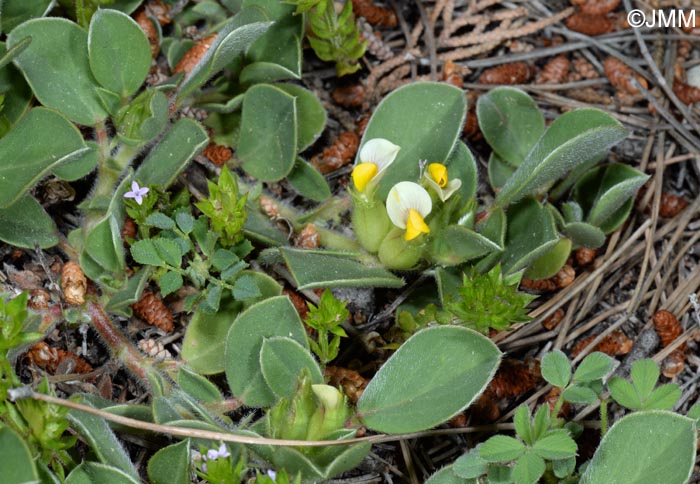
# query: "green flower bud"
(370, 222)
(396, 252)
(290, 418)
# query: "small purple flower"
(137, 192)
(272, 474)
(213, 454)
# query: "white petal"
(405, 196)
(452, 186)
(379, 151)
(134, 186)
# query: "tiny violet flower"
(407, 205)
(375, 156)
(214, 454)
(137, 192)
(272, 474)
(436, 176)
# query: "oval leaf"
(573, 138)
(548, 264)
(531, 233)
(40, 142)
(164, 163)
(16, 463)
(57, 68)
(510, 122)
(205, 338)
(556, 369)
(317, 268)
(311, 116)
(425, 120)
(26, 224)
(273, 317)
(306, 180)
(645, 448)
(94, 473)
(282, 361)
(118, 49)
(14, 12)
(268, 139)
(411, 393)
(171, 465)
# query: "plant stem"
(603, 416)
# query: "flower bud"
(398, 253)
(370, 223)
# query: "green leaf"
(311, 116)
(119, 303)
(580, 394)
(169, 283)
(556, 368)
(171, 464)
(233, 39)
(17, 93)
(606, 194)
(205, 338)
(42, 140)
(456, 244)
(120, 56)
(145, 252)
(56, 67)
(584, 235)
(197, 386)
(14, 12)
(462, 165)
(499, 474)
(541, 422)
(282, 361)
(80, 166)
(645, 373)
(531, 233)
(103, 243)
(94, 473)
(160, 220)
(511, 123)
(528, 469)
(16, 463)
(185, 221)
(425, 119)
(410, 393)
(595, 366)
(624, 393)
(521, 420)
(268, 139)
(26, 224)
(101, 439)
(564, 467)
(280, 46)
(645, 448)
(323, 467)
(664, 397)
(164, 163)
(275, 316)
(308, 182)
(501, 448)
(168, 250)
(572, 138)
(549, 263)
(447, 475)
(557, 444)
(499, 172)
(317, 268)
(259, 228)
(245, 288)
(470, 465)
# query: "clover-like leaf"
(556, 368)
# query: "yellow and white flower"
(375, 156)
(408, 204)
(436, 176)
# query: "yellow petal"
(415, 225)
(362, 174)
(438, 172)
